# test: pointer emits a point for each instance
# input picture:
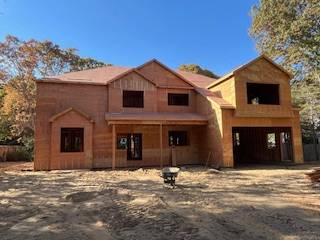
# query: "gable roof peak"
(154, 60)
(71, 109)
(262, 56)
(148, 62)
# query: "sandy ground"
(247, 203)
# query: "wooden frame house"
(151, 115)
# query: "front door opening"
(262, 145)
(134, 150)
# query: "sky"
(211, 33)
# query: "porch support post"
(113, 146)
(161, 160)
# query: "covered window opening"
(132, 142)
(271, 141)
(178, 99)
(133, 99)
(260, 93)
(178, 138)
(71, 140)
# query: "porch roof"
(156, 118)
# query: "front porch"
(156, 139)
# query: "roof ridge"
(198, 74)
(88, 70)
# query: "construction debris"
(314, 175)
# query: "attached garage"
(262, 145)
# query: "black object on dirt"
(169, 175)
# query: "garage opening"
(262, 145)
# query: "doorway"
(134, 150)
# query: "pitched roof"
(132, 70)
(106, 74)
(168, 69)
(215, 98)
(98, 76)
(198, 79)
(230, 74)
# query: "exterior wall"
(229, 121)
(151, 146)
(162, 77)
(211, 149)
(227, 90)
(135, 82)
(155, 99)
(297, 138)
(54, 98)
(262, 71)
(163, 100)
(71, 160)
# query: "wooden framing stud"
(113, 146)
(160, 134)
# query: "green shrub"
(20, 154)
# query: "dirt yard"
(266, 203)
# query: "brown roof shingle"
(101, 75)
(197, 79)
(215, 97)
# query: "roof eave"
(59, 81)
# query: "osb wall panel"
(151, 146)
(227, 90)
(229, 121)
(162, 76)
(227, 144)
(262, 71)
(297, 138)
(54, 98)
(163, 100)
(135, 82)
(70, 160)
(211, 148)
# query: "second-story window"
(260, 93)
(132, 99)
(178, 99)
